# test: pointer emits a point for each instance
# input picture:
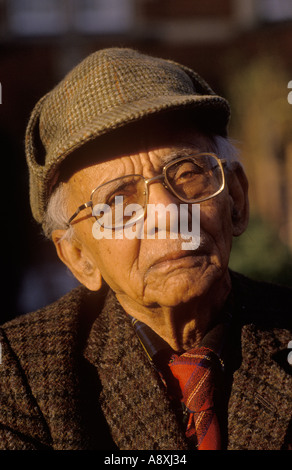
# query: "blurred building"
(227, 41)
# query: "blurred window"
(35, 17)
(103, 16)
(274, 10)
(49, 17)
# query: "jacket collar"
(133, 400)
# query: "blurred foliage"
(258, 92)
(261, 122)
(260, 254)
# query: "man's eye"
(187, 172)
(123, 194)
(186, 175)
(111, 199)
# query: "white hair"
(56, 216)
(57, 213)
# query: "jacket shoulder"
(52, 311)
(39, 352)
(263, 303)
(261, 390)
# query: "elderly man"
(121, 361)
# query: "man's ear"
(74, 256)
(238, 191)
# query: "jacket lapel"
(139, 413)
(133, 401)
(260, 406)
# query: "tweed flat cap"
(109, 89)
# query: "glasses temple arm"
(80, 208)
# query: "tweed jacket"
(73, 376)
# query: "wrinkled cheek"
(117, 260)
(216, 228)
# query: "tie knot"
(202, 356)
(194, 372)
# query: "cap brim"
(211, 110)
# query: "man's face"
(154, 272)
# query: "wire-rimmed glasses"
(191, 179)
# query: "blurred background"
(243, 48)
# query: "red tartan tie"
(193, 370)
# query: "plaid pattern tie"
(195, 375)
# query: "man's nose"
(162, 212)
(161, 194)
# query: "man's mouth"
(173, 256)
(176, 260)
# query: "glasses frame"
(165, 182)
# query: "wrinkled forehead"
(178, 134)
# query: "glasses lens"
(120, 201)
(195, 178)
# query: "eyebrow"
(177, 153)
(118, 184)
(172, 155)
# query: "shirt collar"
(158, 350)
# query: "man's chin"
(181, 287)
(182, 290)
